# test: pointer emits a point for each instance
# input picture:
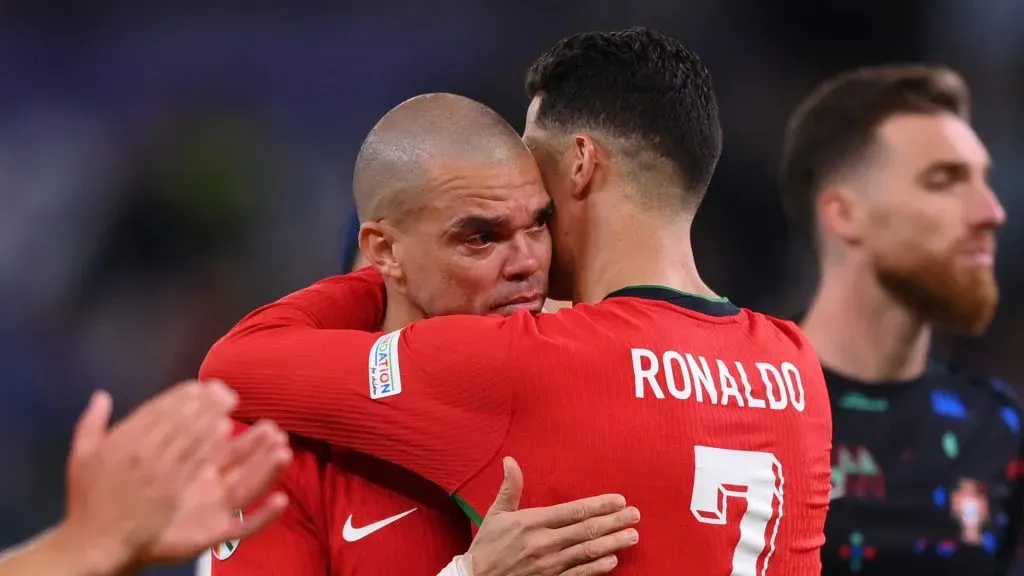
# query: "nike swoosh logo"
(352, 534)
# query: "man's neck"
(629, 248)
(400, 312)
(859, 330)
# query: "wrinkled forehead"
(511, 190)
(918, 141)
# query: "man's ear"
(583, 163)
(841, 213)
(377, 243)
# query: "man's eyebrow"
(544, 214)
(477, 223)
(954, 167)
(480, 223)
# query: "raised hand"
(209, 512)
(127, 483)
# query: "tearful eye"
(477, 240)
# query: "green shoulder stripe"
(473, 515)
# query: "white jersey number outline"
(721, 475)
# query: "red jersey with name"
(713, 421)
(348, 514)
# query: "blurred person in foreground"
(437, 180)
(158, 487)
(884, 173)
(651, 385)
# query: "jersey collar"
(707, 306)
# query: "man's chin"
(964, 304)
(970, 318)
(972, 307)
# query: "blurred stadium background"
(167, 166)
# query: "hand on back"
(577, 538)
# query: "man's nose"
(523, 259)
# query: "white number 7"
(721, 475)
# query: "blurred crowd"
(166, 167)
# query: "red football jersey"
(350, 515)
(713, 421)
(294, 544)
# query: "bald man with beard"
(454, 214)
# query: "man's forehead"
(510, 165)
(930, 138)
(444, 175)
(516, 206)
(511, 191)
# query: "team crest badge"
(969, 505)
(225, 549)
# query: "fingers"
(208, 441)
(596, 527)
(511, 488)
(254, 461)
(589, 551)
(255, 438)
(271, 510)
(199, 425)
(92, 424)
(577, 511)
(600, 566)
(225, 397)
(163, 421)
(217, 403)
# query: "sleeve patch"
(385, 376)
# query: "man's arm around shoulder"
(410, 397)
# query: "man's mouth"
(534, 302)
(981, 254)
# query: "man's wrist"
(89, 554)
(459, 566)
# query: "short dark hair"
(633, 84)
(835, 127)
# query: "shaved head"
(453, 211)
(410, 147)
